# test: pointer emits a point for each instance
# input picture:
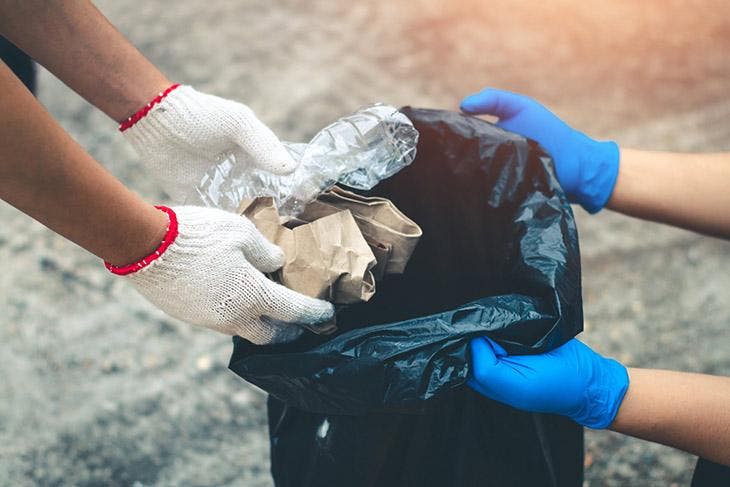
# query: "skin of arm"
(74, 41)
(679, 409)
(685, 190)
(47, 175)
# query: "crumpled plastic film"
(358, 150)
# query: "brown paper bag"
(337, 248)
(391, 235)
(327, 258)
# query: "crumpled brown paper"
(338, 246)
(392, 235)
(327, 258)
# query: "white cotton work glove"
(182, 133)
(209, 272)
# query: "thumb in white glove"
(208, 272)
(182, 133)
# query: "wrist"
(152, 237)
(124, 97)
(608, 386)
(599, 163)
(150, 102)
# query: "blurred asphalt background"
(99, 388)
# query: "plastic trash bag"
(383, 402)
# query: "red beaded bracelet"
(170, 235)
(140, 114)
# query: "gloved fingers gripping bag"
(381, 403)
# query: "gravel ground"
(99, 388)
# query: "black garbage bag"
(383, 402)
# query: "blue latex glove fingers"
(571, 380)
(500, 380)
(520, 114)
(502, 104)
(528, 382)
(586, 169)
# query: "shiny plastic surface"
(499, 256)
(383, 402)
(358, 150)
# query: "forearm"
(686, 411)
(73, 40)
(47, 175)
(684, 190)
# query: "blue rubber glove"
(587, 169)
(571, 380)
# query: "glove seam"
(171, 234)
(142, 112)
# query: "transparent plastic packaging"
(358, 150)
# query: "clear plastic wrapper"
(358, 150)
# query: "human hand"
(587, 169)
(184, 132)
(209, 272)
(571, 380)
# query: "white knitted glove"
(208, 272)
(182, 133)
